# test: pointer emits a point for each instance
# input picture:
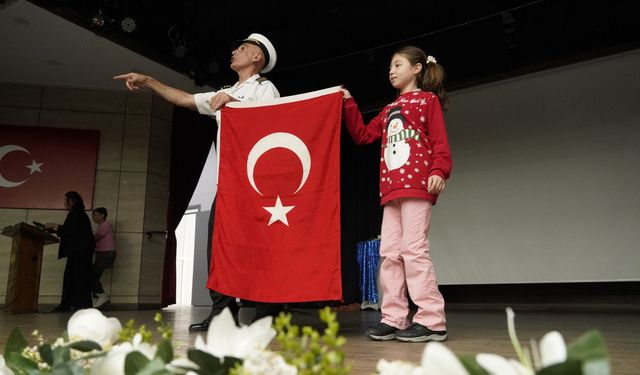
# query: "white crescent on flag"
(283, 140)
(4, 150)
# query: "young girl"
(414, 164)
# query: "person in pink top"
(415, 161)
(105, 254)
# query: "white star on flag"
(34, 167)
(278, 212)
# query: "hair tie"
(431, 59)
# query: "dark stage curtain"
(191, 138)
(361, 214)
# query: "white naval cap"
(265, 45)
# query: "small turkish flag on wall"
(39, 165)
(277, 220)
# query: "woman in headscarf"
(77, 245)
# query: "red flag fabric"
(38, 165)
(277, 217)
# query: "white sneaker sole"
(433, 337)
(382, 338)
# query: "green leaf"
(570, 367)
(61, 355)
(15, 343)
(210, 364)
(85, 346)
(134, 362)
(46, 353)
(69, 368)
(589, 346)
(20, 364)
(165, 351)
(469, 363)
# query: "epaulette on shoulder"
(262, 80)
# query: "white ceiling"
(38, 47)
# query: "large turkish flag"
(277, 220)
(39, 165)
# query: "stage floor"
(471, 330)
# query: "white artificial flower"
(4, 370)
(553, 350)
(497, 365)
(438, 359)
(90, 324)
(113, 362)
(225, 339)
(178, 365)
(385, 367)
(265, 362)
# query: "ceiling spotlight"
(179, 50)
(508, 22)
(509, 28)
(128, 25)
(178, 42)
(99, 20)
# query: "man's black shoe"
(202, 326)
(264, 309)
(382, 332)
(419, 333)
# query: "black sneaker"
(419, 333)
(382, 332)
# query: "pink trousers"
(407, 265)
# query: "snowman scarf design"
(404, 134)
(397, 149)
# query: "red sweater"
(414, 143)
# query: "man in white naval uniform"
(249, 57)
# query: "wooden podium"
(25, 264)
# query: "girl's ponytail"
(431, 77)
(433, 80)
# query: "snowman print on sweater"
(397, 148)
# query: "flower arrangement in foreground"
(95, 344)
